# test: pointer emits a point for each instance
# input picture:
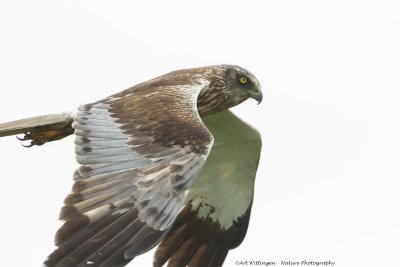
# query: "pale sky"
(328, 181)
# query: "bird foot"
(38, 138)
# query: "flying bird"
(162, 163)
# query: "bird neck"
(214, 99)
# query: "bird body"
(163, 161)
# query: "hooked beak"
(258, 96)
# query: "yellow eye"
(243, 80)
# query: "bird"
(164, 162)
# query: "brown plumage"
(139, 152)
(196, 242)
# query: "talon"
(30, 145)
(27, 136)
(39, 137)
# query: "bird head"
(243, 84)
(229, 86)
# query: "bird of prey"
(163, 162)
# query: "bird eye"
(243, 80)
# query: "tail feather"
(40, 129)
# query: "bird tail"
(40, 129)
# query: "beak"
(257, 96)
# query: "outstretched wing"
(139, 151)
(217, 208)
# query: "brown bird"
(163, 161)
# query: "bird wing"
(138, 151)
(217, 208)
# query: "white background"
(328, 182)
